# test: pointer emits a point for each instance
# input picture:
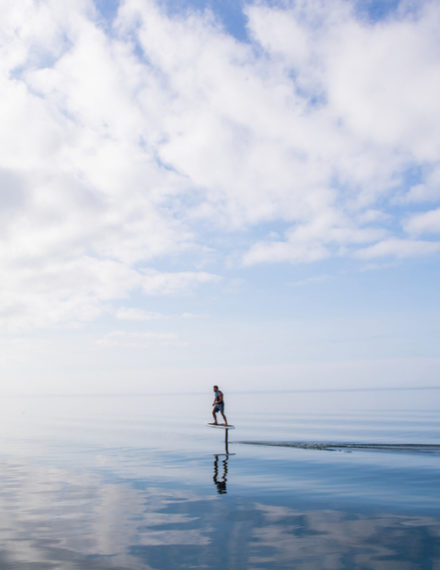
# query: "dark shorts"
(219, 408)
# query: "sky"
(219, 191)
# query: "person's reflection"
(220, 483)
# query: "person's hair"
(215, 386)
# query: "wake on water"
(426, 448)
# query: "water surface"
(324, 480)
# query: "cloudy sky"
(219, 190)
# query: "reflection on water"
(80, 489)
(220, 479)
(52, 518)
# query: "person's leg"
(224, 417)
(214, 416)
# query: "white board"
(221, 426)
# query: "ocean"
(321, 479)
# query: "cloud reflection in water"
(62, 518)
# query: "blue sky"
(239, 192)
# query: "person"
(219, 405)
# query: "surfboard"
(229, 426)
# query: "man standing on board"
(219, 405)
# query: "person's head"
(215, 388)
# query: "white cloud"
(422, 193)
(83, 198)
(400, 248)
(309, 280)
(377, 111)
(68, 291)
(327, 235)
(37, 294)
(140, 339)
(426, 191)
(133, 314)
(160, 283)
(120, 148)
(379, 86)
(428, 222)
(279, 252)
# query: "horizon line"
(287, 391)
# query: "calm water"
(313, 480)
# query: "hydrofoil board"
(222, 426)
